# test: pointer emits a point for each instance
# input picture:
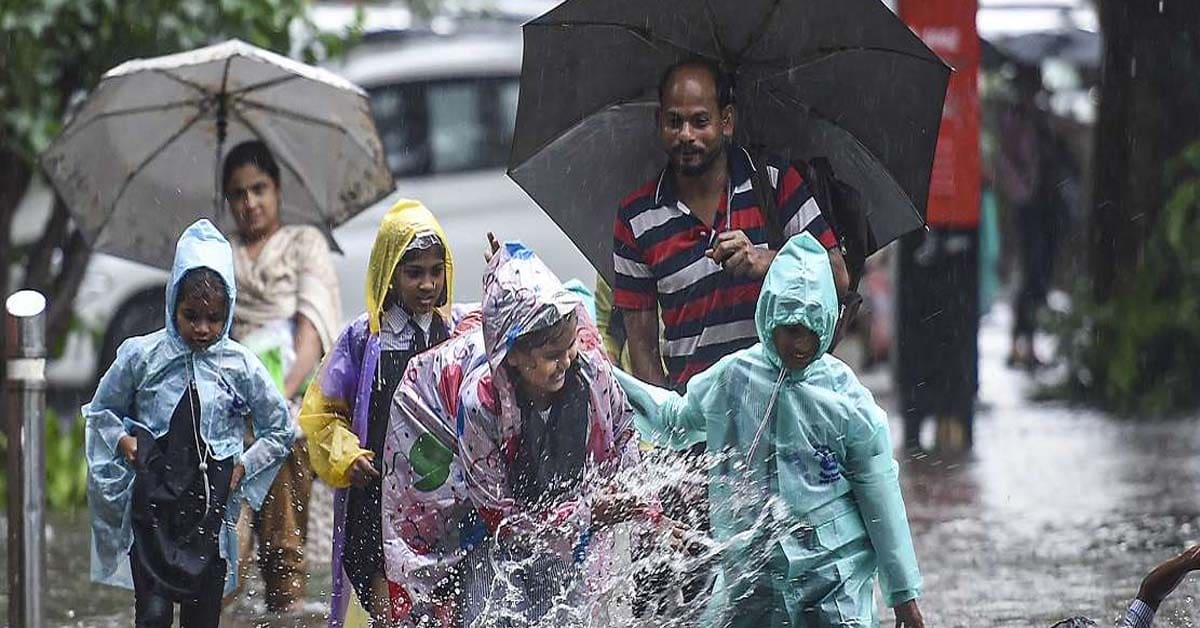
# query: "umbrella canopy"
(1075, 46)
(844, 80)
(142, 158)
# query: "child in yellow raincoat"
(410, 277)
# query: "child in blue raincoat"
(804, 493)
(166, 463)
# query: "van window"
(449, 125)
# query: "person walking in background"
(345, 415)
(1033, 175)
(167, 465)
(287, 315)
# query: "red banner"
(948, 27)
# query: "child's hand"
(128, 448)
(613, 508)
(1163, 579)
(493, 248)
(362, 472)
(235, 478)
(908, 615)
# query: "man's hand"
(1163, 579)
(362, 472)
(127, 445)
(735, 253)
(908, 615)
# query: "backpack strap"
(765, 195)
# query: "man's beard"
(705, 164)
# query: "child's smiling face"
(420, 280)
(796, 345)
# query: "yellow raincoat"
(334, 414)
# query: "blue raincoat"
(142, 388)
(805, 518)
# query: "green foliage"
(52, 51)
(66, 467)
(1137, 353)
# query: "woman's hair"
(201, 282)
(253, 152)
(546, 335)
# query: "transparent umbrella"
(142, 158)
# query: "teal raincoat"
(142, 388)
(806, 519)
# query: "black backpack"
(841, 205)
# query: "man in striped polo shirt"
(694, 240)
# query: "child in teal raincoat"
(164, 445)
(804, 494)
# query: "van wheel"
(141, 314)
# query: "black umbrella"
(845, 80)
(1073, 45)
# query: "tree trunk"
(1149, 100)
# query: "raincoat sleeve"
(624, 431)
(274, 433)
(109, 415)
(663, 417)
(875, 481)
(326, 415)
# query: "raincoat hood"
(798, 290)
(403, 222)
(520, 295)
(201, 246)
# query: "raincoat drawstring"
(762, 426)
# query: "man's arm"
(641, 326)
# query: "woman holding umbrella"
(287, 315)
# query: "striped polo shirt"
(658, 254)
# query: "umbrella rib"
(132, 111)
(642, 33)
(182, 81)
(712, 27)
(821, 54)
(303, 118)
(759, 31)
(790, 101)
(288, 164)
(136, 171)
(265, 84)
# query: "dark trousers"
(1038, 232)
(937, 362)
(154, 607)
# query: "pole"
(25, 331)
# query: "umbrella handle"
(222, 126)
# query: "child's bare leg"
(380, 601)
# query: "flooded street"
(1057, 512)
